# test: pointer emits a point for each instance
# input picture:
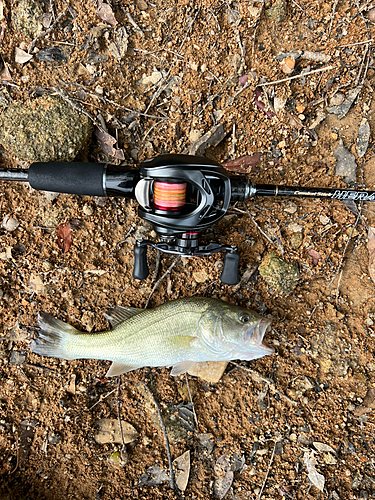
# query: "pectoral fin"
(119, 368)
(182, 367)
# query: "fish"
(177, 334)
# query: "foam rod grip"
(71, 178)
(140, 270)
(229, 276)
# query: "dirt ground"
(314, 418)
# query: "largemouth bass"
(179, 333)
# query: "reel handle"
(229, 275)
(140, 270)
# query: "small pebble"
(371, 15)
(87, 209)
(17, 358)
(142, 5)
(337, 99)
(9, 223)
(324, 220)
(287, 65)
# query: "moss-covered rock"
(27, 17)
(280, 275)
(44, 129)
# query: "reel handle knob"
(140, 270)
(229, 276)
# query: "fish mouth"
(260, 330)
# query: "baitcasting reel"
(180, 195)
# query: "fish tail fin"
(54, 337)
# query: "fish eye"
(244, 317)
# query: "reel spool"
(182, 196)
(169, 195)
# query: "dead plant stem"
(257, 377)
(191, 401)
(268, 471)
(173, 485)
(161, 279)
(41, 35)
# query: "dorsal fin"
(118, 314)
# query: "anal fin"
(182, 367)
(119, 368)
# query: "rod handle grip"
(140, 270)
(229, 275)
(68, 177)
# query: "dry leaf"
(71, 388)
(368, 404)
(211, 371)
(346, 165)
(4, 71)
(109, 431)
(322, 447)
(153, 477)
(261, 103)
(106, 143)
(241, 165)
(119, 45)
(105, 13)
(371, 252)
(21, 57)
(315, 477)
(344, 107)
(224, 469)
(363, 138)
(181, 467)
(36, 284)
(242, 81)
(64, 236)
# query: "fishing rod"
(180, 195)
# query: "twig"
(41, 35)
(302, 75)
(161, 279)
(344, 252)
(191, 401)
(256, 29)
(257, 377)
(361, 68)
(157, 265)
(102, 398)
(132, 22)
(360, 9)
(268, 471)
(297, 5)
(114, 103)
(132, 228)
(173, 485)
(357, 43)
(165, 79)
(76, 107)
(257, 225)
(332, 16)
(123, 448)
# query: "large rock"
(27, 17)
(44, 129)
